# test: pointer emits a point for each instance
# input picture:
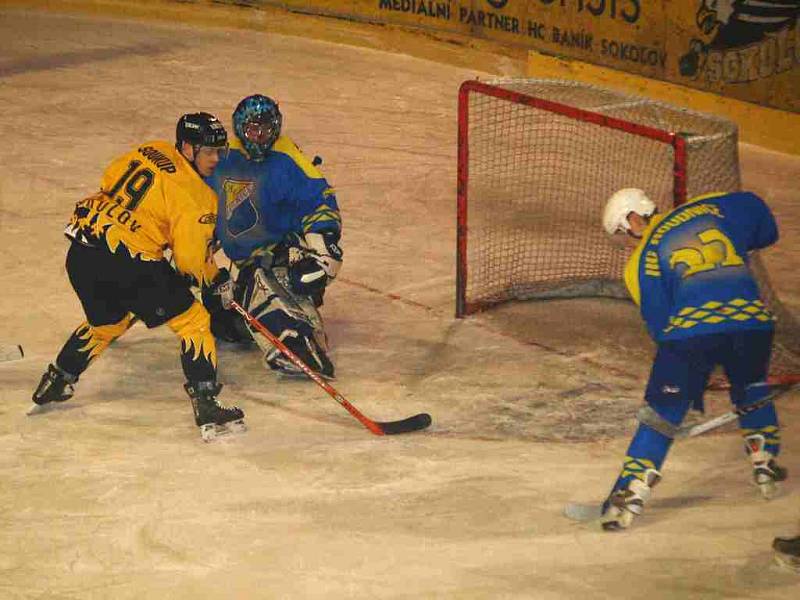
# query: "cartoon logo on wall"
(743, 40)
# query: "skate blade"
(612, 526)
(769, 490)
(233, 427)
(212, 431)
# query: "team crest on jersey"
(208, 219)
(236, 192)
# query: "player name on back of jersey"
(687, 214)
(160, 160)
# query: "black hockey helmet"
(200, 129)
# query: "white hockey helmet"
(621, 204)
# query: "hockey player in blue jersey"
(279, 222)
(689, 274)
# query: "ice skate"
(766, 472)
(211, 417)
(787, 553)
(54, 387)
(625, 504)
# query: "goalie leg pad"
(306, 350)
(292, 319)
(267, 288)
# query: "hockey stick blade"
(583, 513)
(415, 423)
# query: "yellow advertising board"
(744, 49)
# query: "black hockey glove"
(219, 295)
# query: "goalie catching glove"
(312, 267)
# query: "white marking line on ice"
(421, 285)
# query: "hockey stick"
(688, 431)
(415, 423)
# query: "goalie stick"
(415, 423)
(577, 511)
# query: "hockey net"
(537, 160)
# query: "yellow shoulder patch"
(286, 146)
(235, 144)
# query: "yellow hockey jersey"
(152, 199)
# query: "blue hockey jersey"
(690, 273)
(264, 203)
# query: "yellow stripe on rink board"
(767, 127)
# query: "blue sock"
(763, 421)
(647, 450)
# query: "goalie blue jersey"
(690, 273)
(264, 203)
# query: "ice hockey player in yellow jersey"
(151, 199)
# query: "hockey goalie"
(278, 221)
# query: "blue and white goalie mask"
(257, 123)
